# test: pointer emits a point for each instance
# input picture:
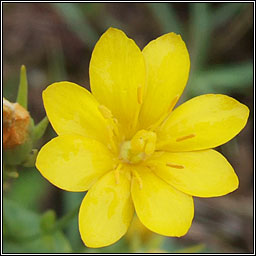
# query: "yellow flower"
(126, 146)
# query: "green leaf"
(47, 221)
(225, 12)
(23, 88)
(77, 22)
(224, 79)
(19, 222)
(23, 233)
(29, 189)
(200, 34)
(39, 129)
(166, 17)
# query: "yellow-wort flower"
(128, 147)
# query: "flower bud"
(17, 133)
(15, 124)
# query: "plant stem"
(63, 221)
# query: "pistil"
(139, 147)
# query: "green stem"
(63, 221)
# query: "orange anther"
(173, 103)
(139, 94)
(178, 166)
(117, 176)
(186, 137)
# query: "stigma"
(141, 146)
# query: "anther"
(177, 166)
(173, 103)
(151, 167)
(186, 137)
(105, 112)
(112, 123)
(117, 176)
(137, 176)
(139, 94)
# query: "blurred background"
(55, 41)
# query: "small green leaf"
(40, 128)
(47, 221)
(23, 88)
(29, 189)
(23, 232)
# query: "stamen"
(173, 103)
(175, 166)
(112, 125)
(111, 134)
(117, 176)
(115, 129)
(137, 176)
(151, 167)
(139, 94)
(186, 137)
(105, 112)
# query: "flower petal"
(73, 162)
(117, 76)
(201, 173)
(203, 122)
(72, 109)
(106, 211)
(159, 206)
(167, 69)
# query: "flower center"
(139, 147)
